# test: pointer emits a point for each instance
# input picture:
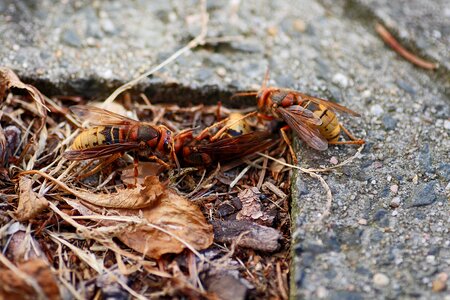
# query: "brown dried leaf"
(276, 168)
(9, 79)
(139, 197)
(174, 214)
(23, 246)
(145, 169)
(14, 287)
(142, 196)
(3, 153)
(252, 209)
(30, 204)
(251, 206)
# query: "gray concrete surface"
(388, 234)
(422, 25)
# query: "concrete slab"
(388, 233)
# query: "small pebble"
(321, 292)
(362, 222)
(108, 26)
(415, 179)
(395, 202)
(380, 280)
(366, 94)
(440, 283)
(431, 259)
(394, 213)
(376, 110)
(341, 80)
(221, 71)
(389, 178)
(447, 124)
(333, 160)
(394, 188)
(299, 25)
(272, 31)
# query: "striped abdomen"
(330, 128)
(106, 135)
(92, 137)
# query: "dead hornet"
(233, 140)
(313, 119)
(114, 134)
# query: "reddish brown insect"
(313, 119)
(204, 152)
(234, 140)
(113, 134)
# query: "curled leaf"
(172, 224)
(142, 196)
(276, 168)
(9, 80)
(145, 169)
(15, 286)
(252, 208)
(175, 215)
(30, 204)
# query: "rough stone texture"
(424, 23)
(317, 47)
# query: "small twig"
(240, 175)
(315, 175)
(281, 286)
(389, 39)
(88, 259)
(197, 41)
(263, 172)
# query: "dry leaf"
(23, 246)
(139, 197)
(144, 168)
(170, 212)
(14, 287)
(9, 79)
(3, 153)
(251, 206)
(176, 215)
(276, 168)
(30, 204)
(252, 209)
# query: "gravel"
(378, 240)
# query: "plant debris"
(32, 279)
(389, 39)
(212, 218)
(250, 235)
(148, 234)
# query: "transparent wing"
(310, 135)
(99, 151)
(326, 103)
(304, 114)
(97, 116)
